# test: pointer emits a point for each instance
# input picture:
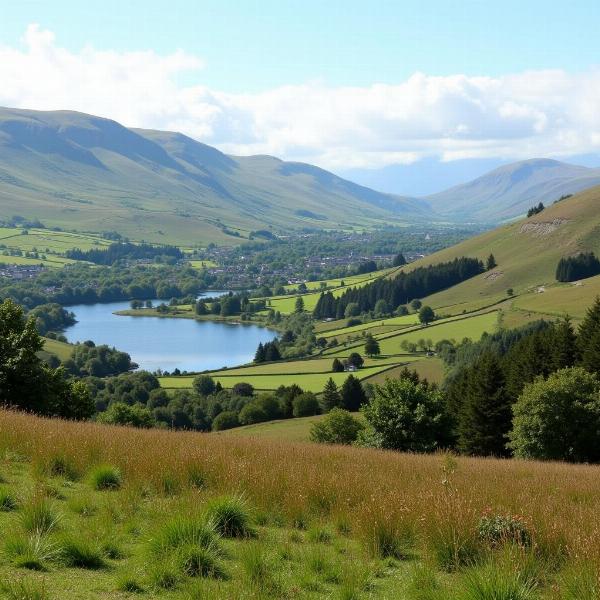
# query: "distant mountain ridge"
(89, 173)
(508, 191)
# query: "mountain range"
(88, 173)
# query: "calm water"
(166, 344)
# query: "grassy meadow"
(92, 511)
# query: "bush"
(496, 530)
(243, 389)
(305, 405)
(106, 477)
(204, 385)
(337, 427)
(225, 420)
(407, 416)
(558, 418)
(251, 413)
(230, 516)
(120, 413)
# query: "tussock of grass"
(129, 584)
(492, 582)
(8, 501)
(231, 517)
(106, 477)
(32, 551)
(198, 561)
(61, 466)
(80, 552)
(182, 531)
(82, 505)
(259, 570)
(38, 515)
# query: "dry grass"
(435, 500)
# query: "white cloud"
(537, 113)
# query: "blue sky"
(255, 45)
(346, 85)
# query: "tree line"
(400, 290)
(576, 267)
(124, 250)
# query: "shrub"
(499, 529)
(243, 389)
(407, 416)
(225, 420)
(305, 405)
(337, 427)
(230, 516)
(204, 385)
(251, 413)
(38, 516)
(558, 418)
(106, 477)
(79, 552)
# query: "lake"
(167, 343)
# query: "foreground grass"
(293, 520)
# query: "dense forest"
(127, 250)
(399, 290)
(576, 267)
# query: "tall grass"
(391, 501)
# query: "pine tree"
(564, 345)
(588, 339)
(272, 352)
(399, 260)
(331, 396)
(299, 305)
(491, 263)
(372, 346)
(352, 394)
(260, 354)
(485, 417)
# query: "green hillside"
(527, 252)
(86, 173)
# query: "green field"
(293, 430)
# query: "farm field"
(60, 349)
(310, 382)
(292, 430)
(311, 521)
(350, 281)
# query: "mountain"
(527, 252)
(510, 190)
(88, 173)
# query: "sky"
(342, 84)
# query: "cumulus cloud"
(535, 113)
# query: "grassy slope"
(526, 251)
(350, 499)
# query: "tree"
(558, 418)
(331, 396)
(491, 263)
(272, 352)
(416, 304)
(372, 346)
(225, 420)
(426, 315)
(510, 292)
(355, 360)
(352, 310)
(588, 339)
(299, 306)
(406, 416)
(399, 260)
(120, 413)
(352, 394)
(305, 405)
(260, 355)
(204, 385)
(252, 413)
(337, 366)
(242, 389)
(485, 415)
(201, 308)
(381, 308)
(338, 427)
(564, 346)
(26, 382)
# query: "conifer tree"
(491, 263)
(372, 346)
(299, 307)
(564, 345)
(260, 354)
(588, 339)
(271, 351)
(485, 416)
(331, 396)
(337, 366)
(352, 394)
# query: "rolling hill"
(527, 252)
(87, 173)
(510, 190)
